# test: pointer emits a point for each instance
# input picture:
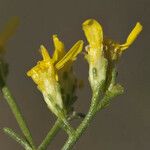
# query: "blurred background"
(125, 124)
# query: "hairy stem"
(51, 134)
(17, 113)
(85, 123)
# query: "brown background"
(125, 124)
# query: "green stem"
(67, 127)
(17, 138)
(17, 113)
(116, 91)
(104, 102)
(51, 134)
(85, 123)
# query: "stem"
(67, 127)
(17, 138)
(51, 134)
(116, 91)
(17, 113)
(104, 102)
(85, 123)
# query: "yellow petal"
(57, 43)
(30, 73)
(41, 73)
(132, 36)
(9, 30)
(45, 54)
(93, 32)
(34, 74)
(71, 55)
(59, 49)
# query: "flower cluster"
(55, 77)
(102, 54)
(56, 80)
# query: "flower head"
(94, 35)
(95, 57)
(45, 73)
(101, 51)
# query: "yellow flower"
(45, 73)
(114, 50)
(8, 31)
(55, 63)
(94, 34)
(97, 63)
(101, 50)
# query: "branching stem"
(85, 123)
